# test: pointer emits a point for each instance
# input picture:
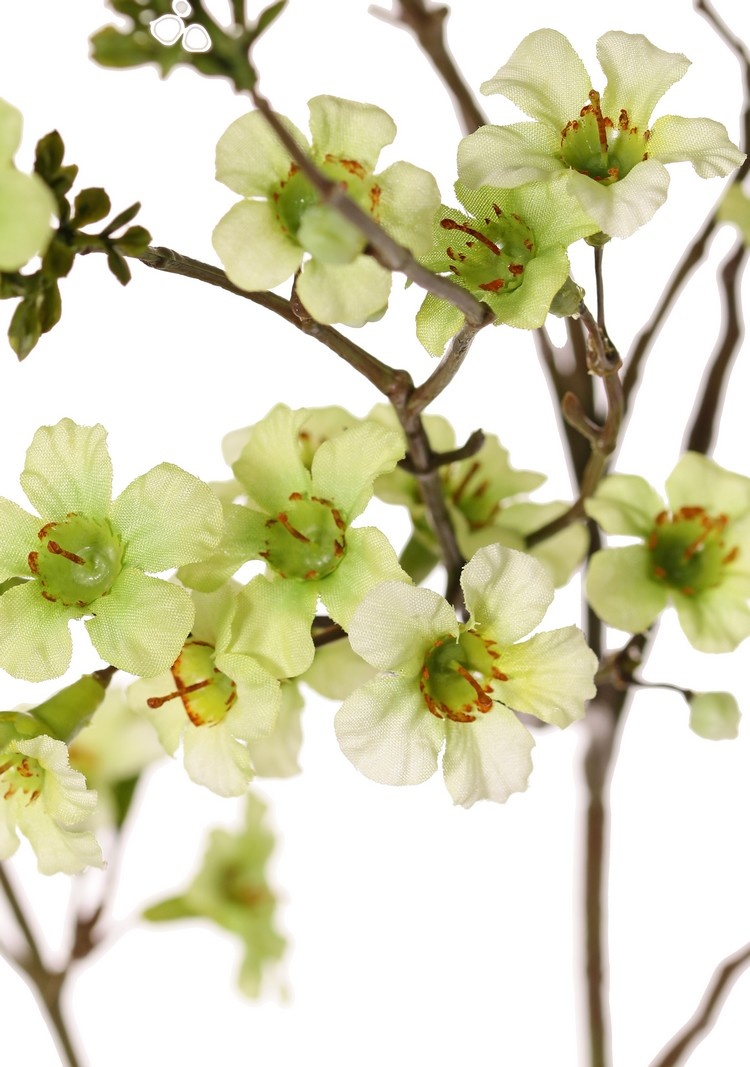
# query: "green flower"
(479, 494)
(232, 890)
(223, 691)
(26, 204)
(458, 685)
(264, 239)
(42, 796)
(509, 251)
(599, 148)
(298, 520)
(87, 555)
(695, 553)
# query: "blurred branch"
(428, 26)
(678, 1050)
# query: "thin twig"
(428, 26)
(678, 1050)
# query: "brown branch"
(702, 432)
(678, 1050)
(428, 26)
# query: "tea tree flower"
(232, 890)
(458, 685)
(298, 520)
(223, 690)
(87, 555)
(603, 147)
(509, 251)
(268, 236)
(44, 798)
(694, 553)
(26, 204)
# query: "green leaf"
(50, 306)
(122, 219)
(133, 242)
(58, 259)
(118, 266)
(122, 794)
(49, 156)
(266, 17)
(25, 328)
(91, 205)
(63, 181)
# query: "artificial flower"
(26, 203)
(695, 553)
(604, 148)
(509, 251)
(715, 716)
(269, 235)
(459, 685)
(86, 556)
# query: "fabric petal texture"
(68, 469)
(18, 539)
(255, 251)
(622, 208)
(509, 156)
(620, 590)
(506, 591)
(550, 675)
(408, 202)
(345, 466)
(397, 623)
(270, 466)
(350, 293)
(250, 158)
(35, 641)
(350, 130)
(369, 560)
(702, 142)
(625, 504)
(489, 760)
(638, 74)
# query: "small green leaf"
(133, 242)
(118, 266)
(63, 180)
(58, 259)
(91, 205)
(50, 308)
(122, 794)
(122, 219)
(268, 16)
(49, 156)
(25, 328)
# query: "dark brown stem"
(446, 370)
(428, 26)
(679, 1049)
(702, 432)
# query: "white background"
(420, 933)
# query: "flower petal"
(167, 517)
(277, 755)
(26, 208)
(625, 504)
(58, 850)
(11, 127)
(19, 537)
(507, 592)
(508, 156)
(545, 78)
(638, 75)
(345, 467)
(527, 307)
(169, 719)
(717, 620)
(141, 624)
(550, 676)
(620, 590)
(214, 758)
(250, 158)
(270, 626)
(270, 466)
(352, 293)
(702, 142)
(35, 642)
(437, 322)
(369, 560)
(409, 199)
(699, 481)
(68, 469)
(619, 209)
(386, 731)
(397, 623)
(715, 716)
(350, 130)
(254, 249)
(487, 759)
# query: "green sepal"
(25, 327)
(65, 713)
(18, 724)
(169, 910)
(122, 794)
(418, 559)
(90, 205)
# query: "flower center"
(306, 540)
(21, 778)
(601, 148)
(320, 229)
(206, 693)
(491, 255)
(458, 676)
(688, 551)
(78, 561)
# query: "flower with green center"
(459, 685)
(223, 692)
(509, 251)
(26, 204)
(232, 890)
(603, 148)
(695, 553)
(298, 520)
(479, 494)
(268, 236)
(43, 797)
(86, 556)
